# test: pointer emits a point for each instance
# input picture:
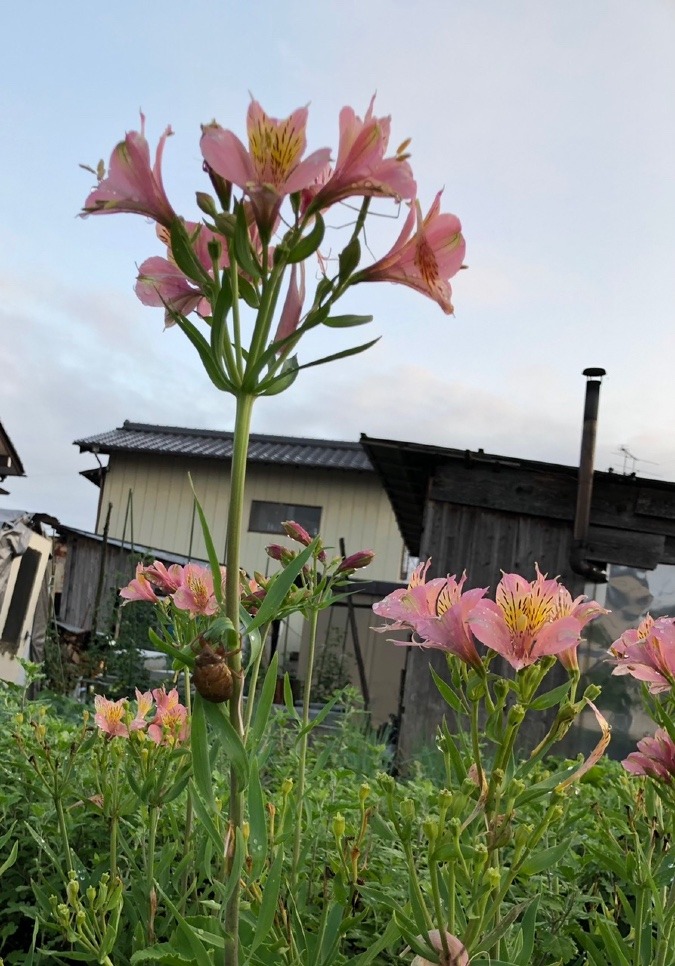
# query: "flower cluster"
(190, 588)
(526, 621)
(269, 170)
(168, 726)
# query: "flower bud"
(246, 830)
(72, 889)
(364, 792)
(286, 787)
(386, 782)
(296, 532)
(356, 561)
(408, 810)
(276, 552)
(516, 714)
(339, 825)
(444, 798)
(493, 877)
(206, 204)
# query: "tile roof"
(215, 444)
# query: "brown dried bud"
(212, 676)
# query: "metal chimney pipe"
(582, 516)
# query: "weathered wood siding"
(354, 506)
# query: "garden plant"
(199, 823)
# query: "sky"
(550, 126)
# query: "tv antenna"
(630, 461)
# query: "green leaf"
(288, 697)
(202, 813)
(325, 711)
(390, 936)
(162, 953)
(282, 381)
(264, 703)
(551, 697)
(339, 355)
(248, 293)
(11, 859)
(199, 951)
(268, 906)
(257, 843)
(329, 935)
(185, 658)
(447, 693)
(187, 261)
(527, 928)
(349, 258)
(282, 583)
(543, 860)
(242, 246)
(309, 243)
(201, 761)
(229, 739)
(347, 321)
(210, 548)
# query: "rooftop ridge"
(228, 434)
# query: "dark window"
(268, 517)
(23, 588)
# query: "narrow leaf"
(551, 697)
(309, 243)
(264, 703)
(199, 744)
(185, 658)
(210, 548)
(229, 739)
(339, 355)
(268, 905)
(347, 321)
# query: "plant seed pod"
(212, 676)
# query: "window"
(268, 517)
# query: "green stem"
(436, 895)
(64, 832)
(188, 809)
(313, 621)
(150, 871)
(242, 430)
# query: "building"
(487, 513)
(146, 501)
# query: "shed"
(485, 513)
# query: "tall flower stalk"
(241, 272)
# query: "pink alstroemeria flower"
(139, 588)
(425, 259)
(522, 623)
(437, 612)
(143, 708)
(361, 167)
(161, 282)
(583, 610)
(132, 184)
(167, 580)
(195, 593)
(648, 653)
(110, 716)
(272, 167)
(292, 310)
(170, 724)
(654, 758)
